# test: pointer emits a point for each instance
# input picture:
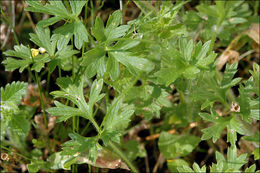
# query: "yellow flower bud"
(35, 52)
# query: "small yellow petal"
(35, 52)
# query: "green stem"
(48, 81)
(7, 21)
(59, 71)
(41, 99)
(89, 168)
(121, 154)
(30, 73)
(95, 124)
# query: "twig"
(245, 54)
(7, 21)
(147, 169)
(6, 38)
(160, 160)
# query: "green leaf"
(203, 63)
(95, 95)
(118, 116)
(204, 50)
(13, 92)
(98, 30)
(92, 56)
(125, 44)
(116, 120)
(115, 33)
(35, 166)
(185, 168)
(214, 131)
(256, 154)
(172, 66)
(56, 8)
(256, 73)
(45, 40)
(229, 74)
(39, 62)
(76, 6)
(133, 150)
(114, 19)
(19, 125)
(190, 72)
(77, 29)
(231, 136)
(50, 21)
(113, 68)
(65, 112)
(81, 144)
(196, 168)
(251, 168)
(244, 99)
(233, 161)
(80, 34)
(148, 100)
(133, 63)
(173, 146)
(23, 53)
(174, 164)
